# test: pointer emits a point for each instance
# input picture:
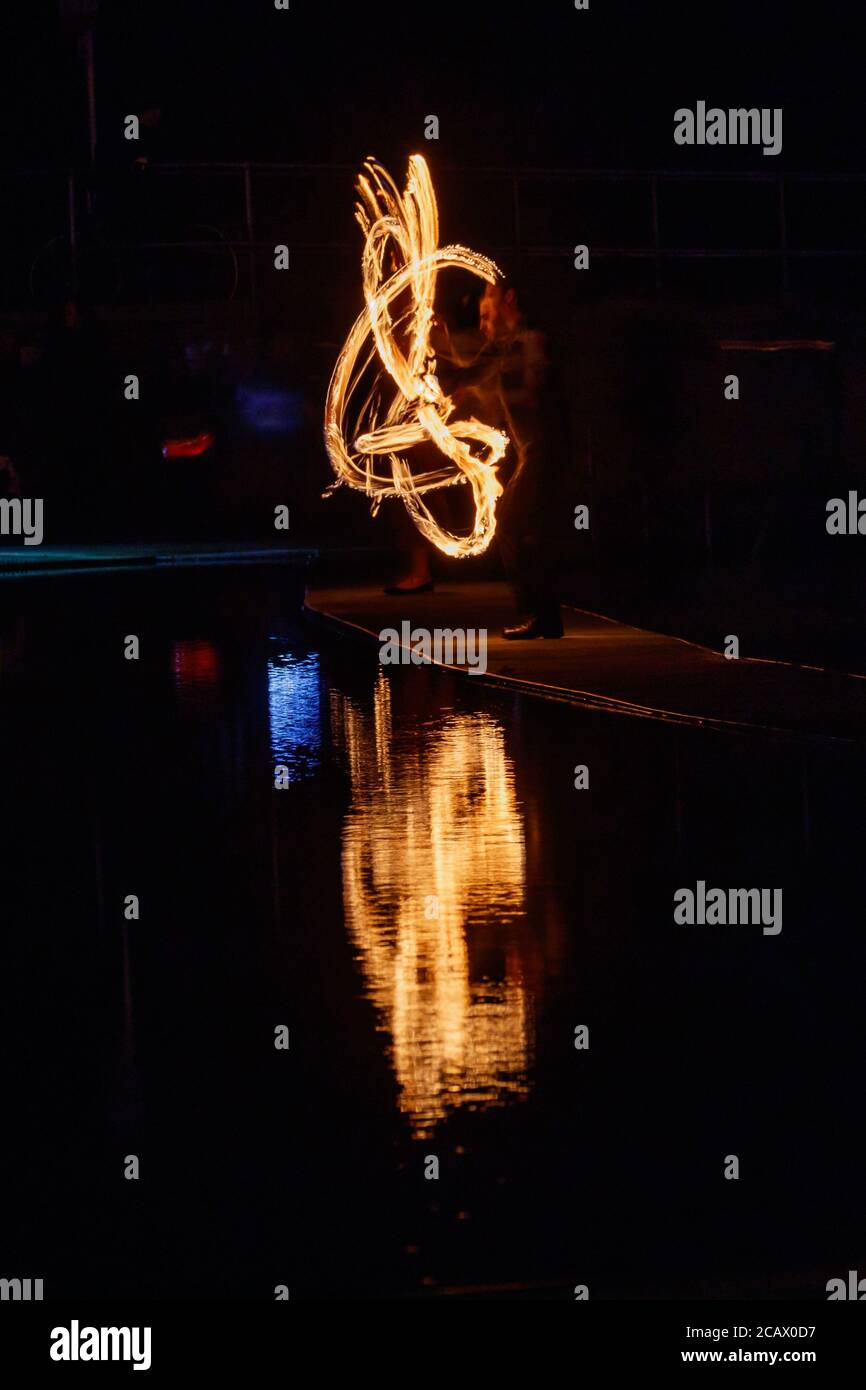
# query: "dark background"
(541, 86)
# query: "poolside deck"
(606, 665)
(24, 561)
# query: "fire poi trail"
(406, 229)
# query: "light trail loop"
(405, 227)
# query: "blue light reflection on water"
(293, 712)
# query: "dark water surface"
(432, 909)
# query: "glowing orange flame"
(407, 226)
(439, 821)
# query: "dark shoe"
(416, 589)
(533, 627)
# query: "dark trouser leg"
(413, 551)
(528, 551)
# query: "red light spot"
(196, 661)
(187, 448)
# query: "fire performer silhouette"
(517, 391)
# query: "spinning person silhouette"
(516, 390)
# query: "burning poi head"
(401, 256)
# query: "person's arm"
(480, 374)
(526, 372)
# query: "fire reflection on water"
(433, 863)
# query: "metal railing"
(537, 212)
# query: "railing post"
(248, 214)
(708, 523)
(87, 46)
(783, 239)
(654, 192)
(515, 198)
(73, 229)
